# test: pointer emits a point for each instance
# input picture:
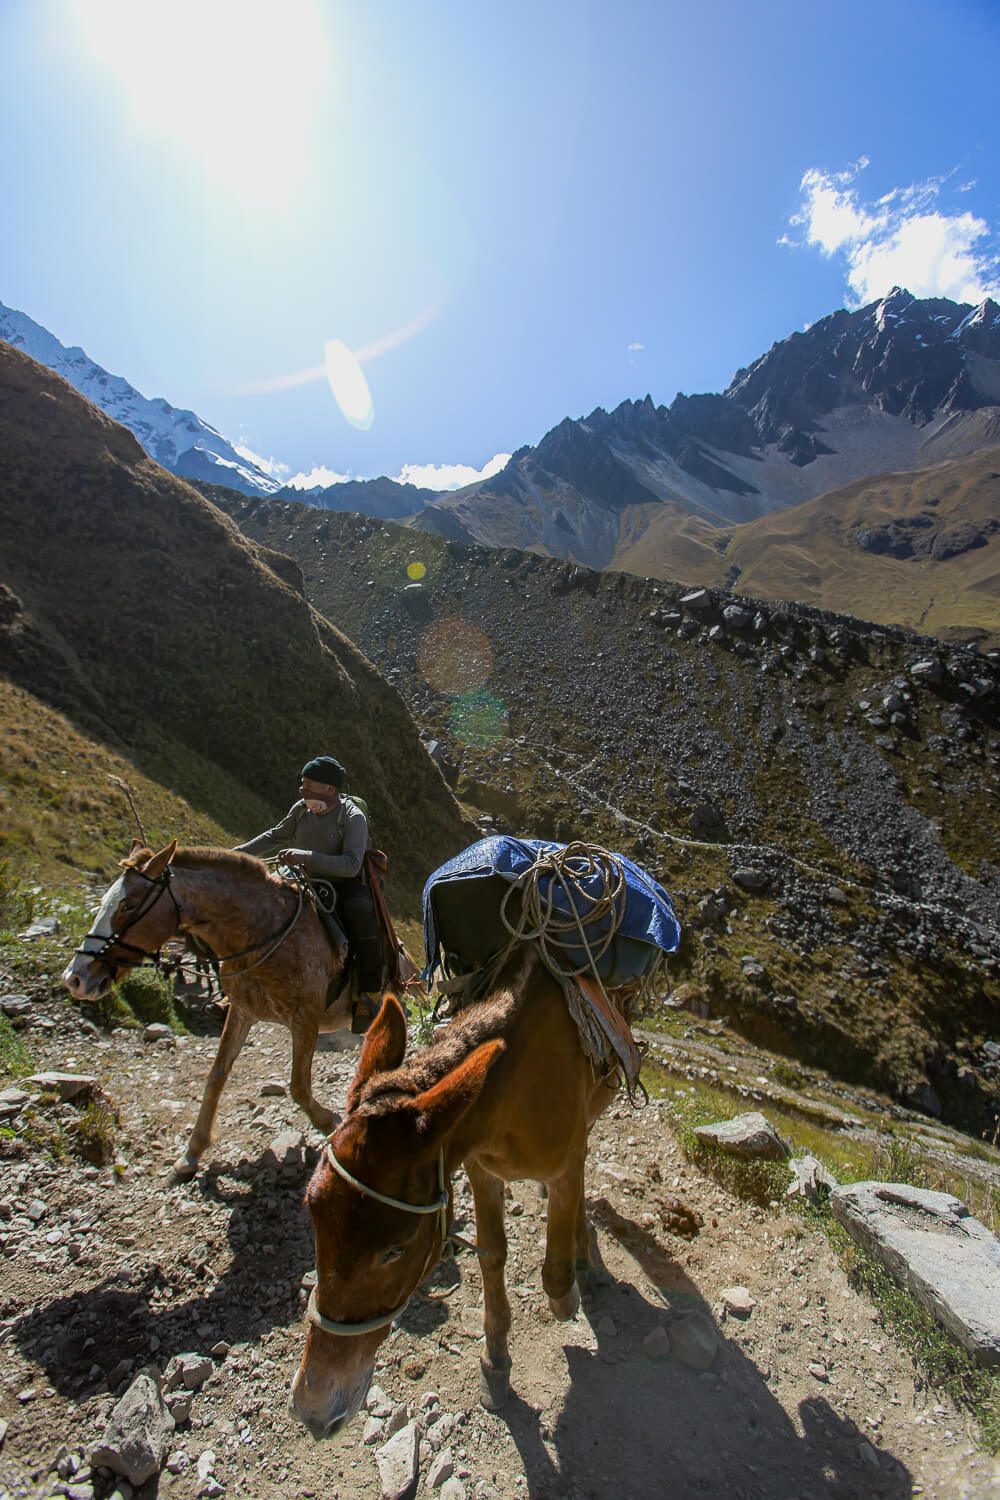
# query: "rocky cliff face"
(896, 385)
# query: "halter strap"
(409, 1208)
(439, 1206)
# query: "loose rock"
(67, 1085)
(810, 1179)
(930, 1243)
(187, 1370)
(693, 1340)
(138, 1433)
(398, 1463)
(738, 1301)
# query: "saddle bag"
(464, 924)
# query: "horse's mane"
(203, 854)
(480, 1022)
(199, 854)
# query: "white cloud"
(449, 476)
(318, 477)
(271, 466)
(903, 239)
(423, 476)
(634, 348)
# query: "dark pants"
(355, 910)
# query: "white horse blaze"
(80, 968)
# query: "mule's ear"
(384, 1048)
(135, 844)
(155, 866)
(441, 1107)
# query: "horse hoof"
(494, 1385)
(564, 1308)
(184, 1168)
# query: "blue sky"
(508, 214)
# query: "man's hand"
(295, 859)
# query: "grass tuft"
(96, 1130)
(149, 996)
(15, 1059)
(16, 903)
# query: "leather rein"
(444, 1248)
(159, 884)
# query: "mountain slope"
(133, 605)
(920, 549)
(179, 440)
(896, 385)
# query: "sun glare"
(235, 82)
(348, 384)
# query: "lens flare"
(455, 657)
(478, 719)
(348, 384)
(416, 571)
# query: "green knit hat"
(325, 768)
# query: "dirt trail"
(807, 1397)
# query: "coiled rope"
(592, 882)
(553, 928)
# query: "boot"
(365, 1009)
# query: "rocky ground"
(108, 1270)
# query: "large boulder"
(932, 1245)
(749, 1135)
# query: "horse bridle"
(158, 884)
(439, 1207)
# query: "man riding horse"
(325, 834)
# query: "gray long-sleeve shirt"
(336, 840)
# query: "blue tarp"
(648, 916)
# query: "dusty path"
(117, 1271)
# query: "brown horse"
(507, 1091)
(277, 963)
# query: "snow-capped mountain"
(898, 385)
(179, 440)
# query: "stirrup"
(363, 1013)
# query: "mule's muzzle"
(324, 1406)
(320, 1428)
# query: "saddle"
(324, 893)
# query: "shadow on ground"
(632, 1425)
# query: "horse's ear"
(441, 1107)
(135, 856)
(384, 1048)
(155, 866)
